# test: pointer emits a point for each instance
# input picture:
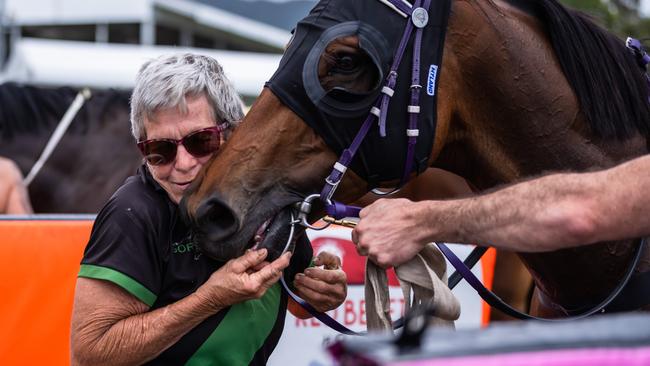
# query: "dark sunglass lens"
(202, 143)
(159, 152)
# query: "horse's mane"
(605, 76)
(30, 109)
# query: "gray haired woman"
(145, 292)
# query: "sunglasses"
(198, 143)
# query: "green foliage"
(620, 16)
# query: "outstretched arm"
(552, 212)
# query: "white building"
(101, 43)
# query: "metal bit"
(347, 222)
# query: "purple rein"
(641, 56)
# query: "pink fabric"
(577, 357)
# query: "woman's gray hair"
(164, 83)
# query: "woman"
(145, 292)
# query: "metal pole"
(78, 102)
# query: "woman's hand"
(323, 288)
(244, 278)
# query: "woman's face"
(171, 123)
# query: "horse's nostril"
(216, 219)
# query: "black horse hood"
(337, 115)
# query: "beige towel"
(423, 280)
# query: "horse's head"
(329, 78)
(505, 109)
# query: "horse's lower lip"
(276, 234)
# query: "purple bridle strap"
(391, 81)
(406, 9)
(339, 210)
(641, 56)
(643, 59)
(494, 301)
(324, 318)
(379, 110)
(414, 108)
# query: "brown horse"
(525, 87)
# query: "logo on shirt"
(187, 246)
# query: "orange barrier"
(488, 261)
(39, 261)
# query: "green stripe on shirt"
(129, 284)
(241, 333)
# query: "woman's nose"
(184, 160)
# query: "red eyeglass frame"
(218, 128)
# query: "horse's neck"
(514, 115)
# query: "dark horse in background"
(526, 87)
(93, 158)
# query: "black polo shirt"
(139, 242)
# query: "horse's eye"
(346, 63)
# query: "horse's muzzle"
(214, 224)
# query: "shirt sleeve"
(124, 248)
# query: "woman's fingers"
(272, 272)
(329, 260)
(249, 260)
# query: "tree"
(620, 16)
